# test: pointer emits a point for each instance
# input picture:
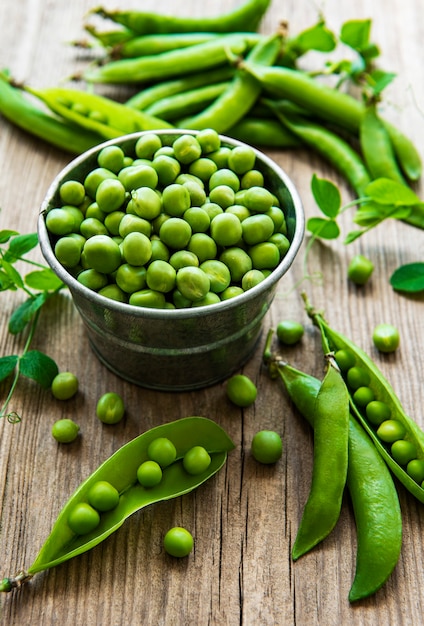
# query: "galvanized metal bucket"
(178, 349)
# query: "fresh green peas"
(267, 446)
(83, 519)
(103, 496)
(218, 274)
(68, 251)
(175, 233)
(146, 202)
(360, 269)
(92, 279)
(252, 178)
(241, 390)
(224, 177)
(251, 279)
(289, 332)
(363, 396)
(136, 248)
(192, 282)
(65, 430)
(94, 178)
(223, 195)
(264, 255)
(147, 145)
(386, 338)
(113, 292)
(110, 408)
(391, 430)
(238, 262)
(415, 469)
(357, 377)
(241, 159)
(102, 253)
(196, 460)
(113, 221)
(167, 168)
(91, 226)
(161, 276)
(163, 451)
(64, 385)
(72, 192)
(345, 359)
(257, 229)
(258, 199)
(226, 229)
(196, 192)
(198, 219)
(209, 140)
(61, 222)
(203, 246)
(131, 223)
(203, 168)
(136, 176)
(183, 258)
(131, 278)
(175, 199)
(178, 542)
(187, 149)
(148, 298)
(239, 210)
(111, 158)
(231, 292)
(403, 451)
(149, 474)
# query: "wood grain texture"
(245, 519)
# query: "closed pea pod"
(331, 425)
(120, 470)
(385, 399)
(373, 493)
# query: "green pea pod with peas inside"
(387, 414)
(157, 67)
(331, 427)
(120, 470)
(96, 113)
(247, 17)
(331, 105)
(372, 490)
(21, 112)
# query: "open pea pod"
(383, 392)
(121, 471)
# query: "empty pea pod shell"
(121, 471)
(383, 391)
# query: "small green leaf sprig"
(38, 286)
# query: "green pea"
(149, 474)
(196, 460)
(187, 149)
(64, 385)
(198, 219)
(345, 359)
(180, 301)
(161, 276)
(257, 228)
(167, 169)
(65, 430)
(289, 332)
(136, 248)
(363, 396)
(218, 274)
(241, 390)
(264, 255)
(110, 408)
(360, 269)
(192, 282)
(226, 229)
(390, 431)
(415, 469)
(175, 233)
(267, 446)
(147, 145)
(386, 338)
(83, 519)
(175, 199)
(178, 542)
(102, 254)
(183, 258)
(61, 222)
(403, 451)
(251, 279)
(231, 292)
(220, 156)
(279, 219)
(92, 226)
(111, 158)
(209, 140)
(130, 278)
(160, 251)
(92, 279)
(253, 178)
(241, 159)
(148, 298)
(210, 298)
(131, 223)
(203, 168)
(136, 176)
(113, 221)
(357, 377)
(282, 243)
(103, 496)
(146, 202)
(258, 199)
(224, 177)
(68, 251)
(196, 192)
(238, 262)
(93, 211)
(94, 178)
(223, 195)
(203, 246)
(113, 292)
(212, 209)
(162, 450)
(72, 192)
(239, 211)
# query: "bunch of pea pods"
(221, 73)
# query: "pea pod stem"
(121, 471)
(372, 491)
(247, 16)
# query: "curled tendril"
(12, 418)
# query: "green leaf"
(379, 80)
(20, 245)
(12, 273)
(5, 235)
(371, 213)
(25, 312)
(353, 236)
(43, 280)
(39, 367)
(386, 191)
(318, 37)
(323, 228)
(7, 365)
(408, 277)
(326, 195)
(6, 282)
(356, 33)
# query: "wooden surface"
(245, 519)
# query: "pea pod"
(373, 493)
(331, 423)
(96, 113)
(384, 393)
(193, 101)
(245, 17)
(121, 471)
(262, 132)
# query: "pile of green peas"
(389, 430)
(187, 224)
(103, 496)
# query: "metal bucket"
(175, 349)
